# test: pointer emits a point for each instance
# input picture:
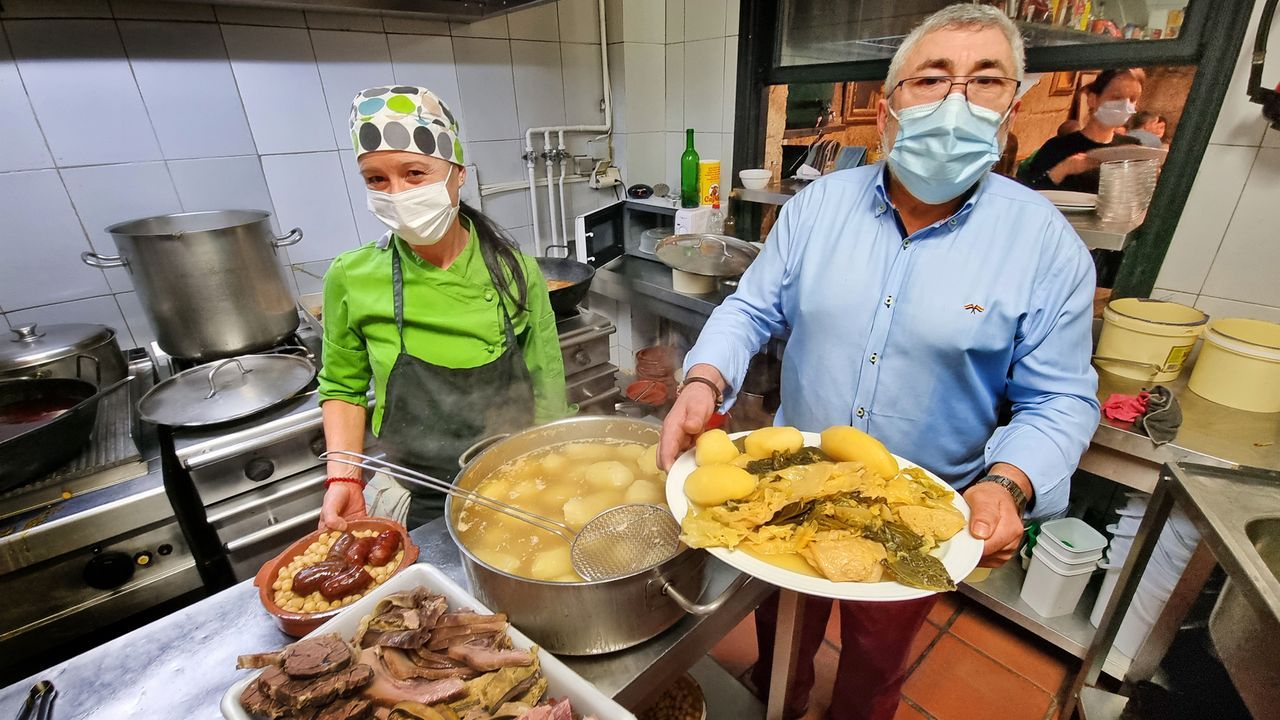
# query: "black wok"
(565, 300)
(44, 424)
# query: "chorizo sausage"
(357, 553)
(352, 580)
(308, 579)
(384, 548)
(340, 546)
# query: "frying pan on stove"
(565, 299)
(44, 424)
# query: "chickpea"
(308, 606)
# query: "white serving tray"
(561, 681)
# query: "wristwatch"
(1019, 497)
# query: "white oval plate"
(960, 554)
(1069, 201)
(1118, 153)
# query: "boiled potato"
(714, 448)
(555, 463)
(645, 492)
(630, 451)
(718, 484)
(502, 561)
(648, 460)
(849, 444)
(765, 442)
(580, 510)
(586, 451)
(550, 564)
(609, 474)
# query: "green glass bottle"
(689, 174)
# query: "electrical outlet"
(605, 178)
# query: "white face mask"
(1114, 113)
(420, 215)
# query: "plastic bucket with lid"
(1072, 539)
(1147, 340)
(1052, 588)
(1239, 365)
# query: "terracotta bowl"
(647, 392)
(296, 624)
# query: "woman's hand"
(343, 501)
(1073, 165)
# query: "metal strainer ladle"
(619, 541)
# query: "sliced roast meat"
(443, 637)
(258, 660)
(401, 666)
(562, 710)
(256, 702)
(403, 639)
(468, 617)
(426, 658)
(511, 710)
(313, 692)
(317, 656)
(487, 659)
(430, 612)
(348, 709)
(386, 690)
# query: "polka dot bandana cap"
(404, 117)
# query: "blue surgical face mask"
(944, 147)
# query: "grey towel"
(1163, 416)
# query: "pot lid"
(706, 254)
(225, 390)
(31, 344)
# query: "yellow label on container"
(1176, 357)
(708, 182)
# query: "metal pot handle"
(213, 390)
(694, 608)
(97, 368)
(470, 453)
(93, 259)
(290, 238)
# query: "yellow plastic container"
(1147, 340)
(1239, 365)
(709, 182)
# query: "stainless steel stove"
(590, 379)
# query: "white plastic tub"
(1239, 365)
(561, 681)
(1104, 592)
(1052, 588)
(1073, 537)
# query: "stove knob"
(108, 571)
(318, 446)
(259, 469)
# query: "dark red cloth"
(875, 642)
(1125, 408)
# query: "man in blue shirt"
(921, 299)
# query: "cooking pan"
(44, 424)
(565, 300)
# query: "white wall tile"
(1245, 267)
(675, 146)
(579, 21)
(643, 72)
(539, 83)
(273, 17)
(1219, 308)
(524, 239)
(675, 21)
(160, 10)
(279, 84)
(368, 226)
(540, 22)
(416, 26)
(1174, 296)
(613, 11)
(38, 215)
(230, 183)
(46, 9)
(645, 21)
(136, 318)
(427, 60)
(732, 10)
(704, 87)
(343, 21)
(1240, 122)
(25, 148)
(1272, 138)
(1212, 200)
(349, 62)
(187, 85)
(704, 19)
(498, 161)
(491, 27)
(488, 90)
(645, 162)
(74, 70)
(308, 190)
(96, 310)
(511, 209)
(104, 195)
(583, 89)
(728, 109)
(726, 166)
(675, 87)
(616, 77)
(309, 277)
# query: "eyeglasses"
(990, 91)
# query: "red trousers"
(875, 644)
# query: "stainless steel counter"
(646, 284)
(180, 665)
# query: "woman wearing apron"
(444, 315)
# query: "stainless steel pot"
(586, 618)
(78, 351)
(210, 282)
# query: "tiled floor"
(968, 664)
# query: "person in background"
(448, 319)
(1148, 129)
(1062, 163)
(1067, 127)
(921, 298)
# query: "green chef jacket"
(451, 319)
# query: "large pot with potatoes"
(570, 471)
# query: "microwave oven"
(606, 234)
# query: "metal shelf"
(999, 593)
(727, 699)
(1098, 704)
(775, 193)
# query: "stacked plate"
(1125, 188)
(1068, 201)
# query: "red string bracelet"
(333, 480)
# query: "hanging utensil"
(621, 541)
(226, 390)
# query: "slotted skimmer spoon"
(619, 541)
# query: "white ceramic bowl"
(754, 179)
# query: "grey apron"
(435, 413)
